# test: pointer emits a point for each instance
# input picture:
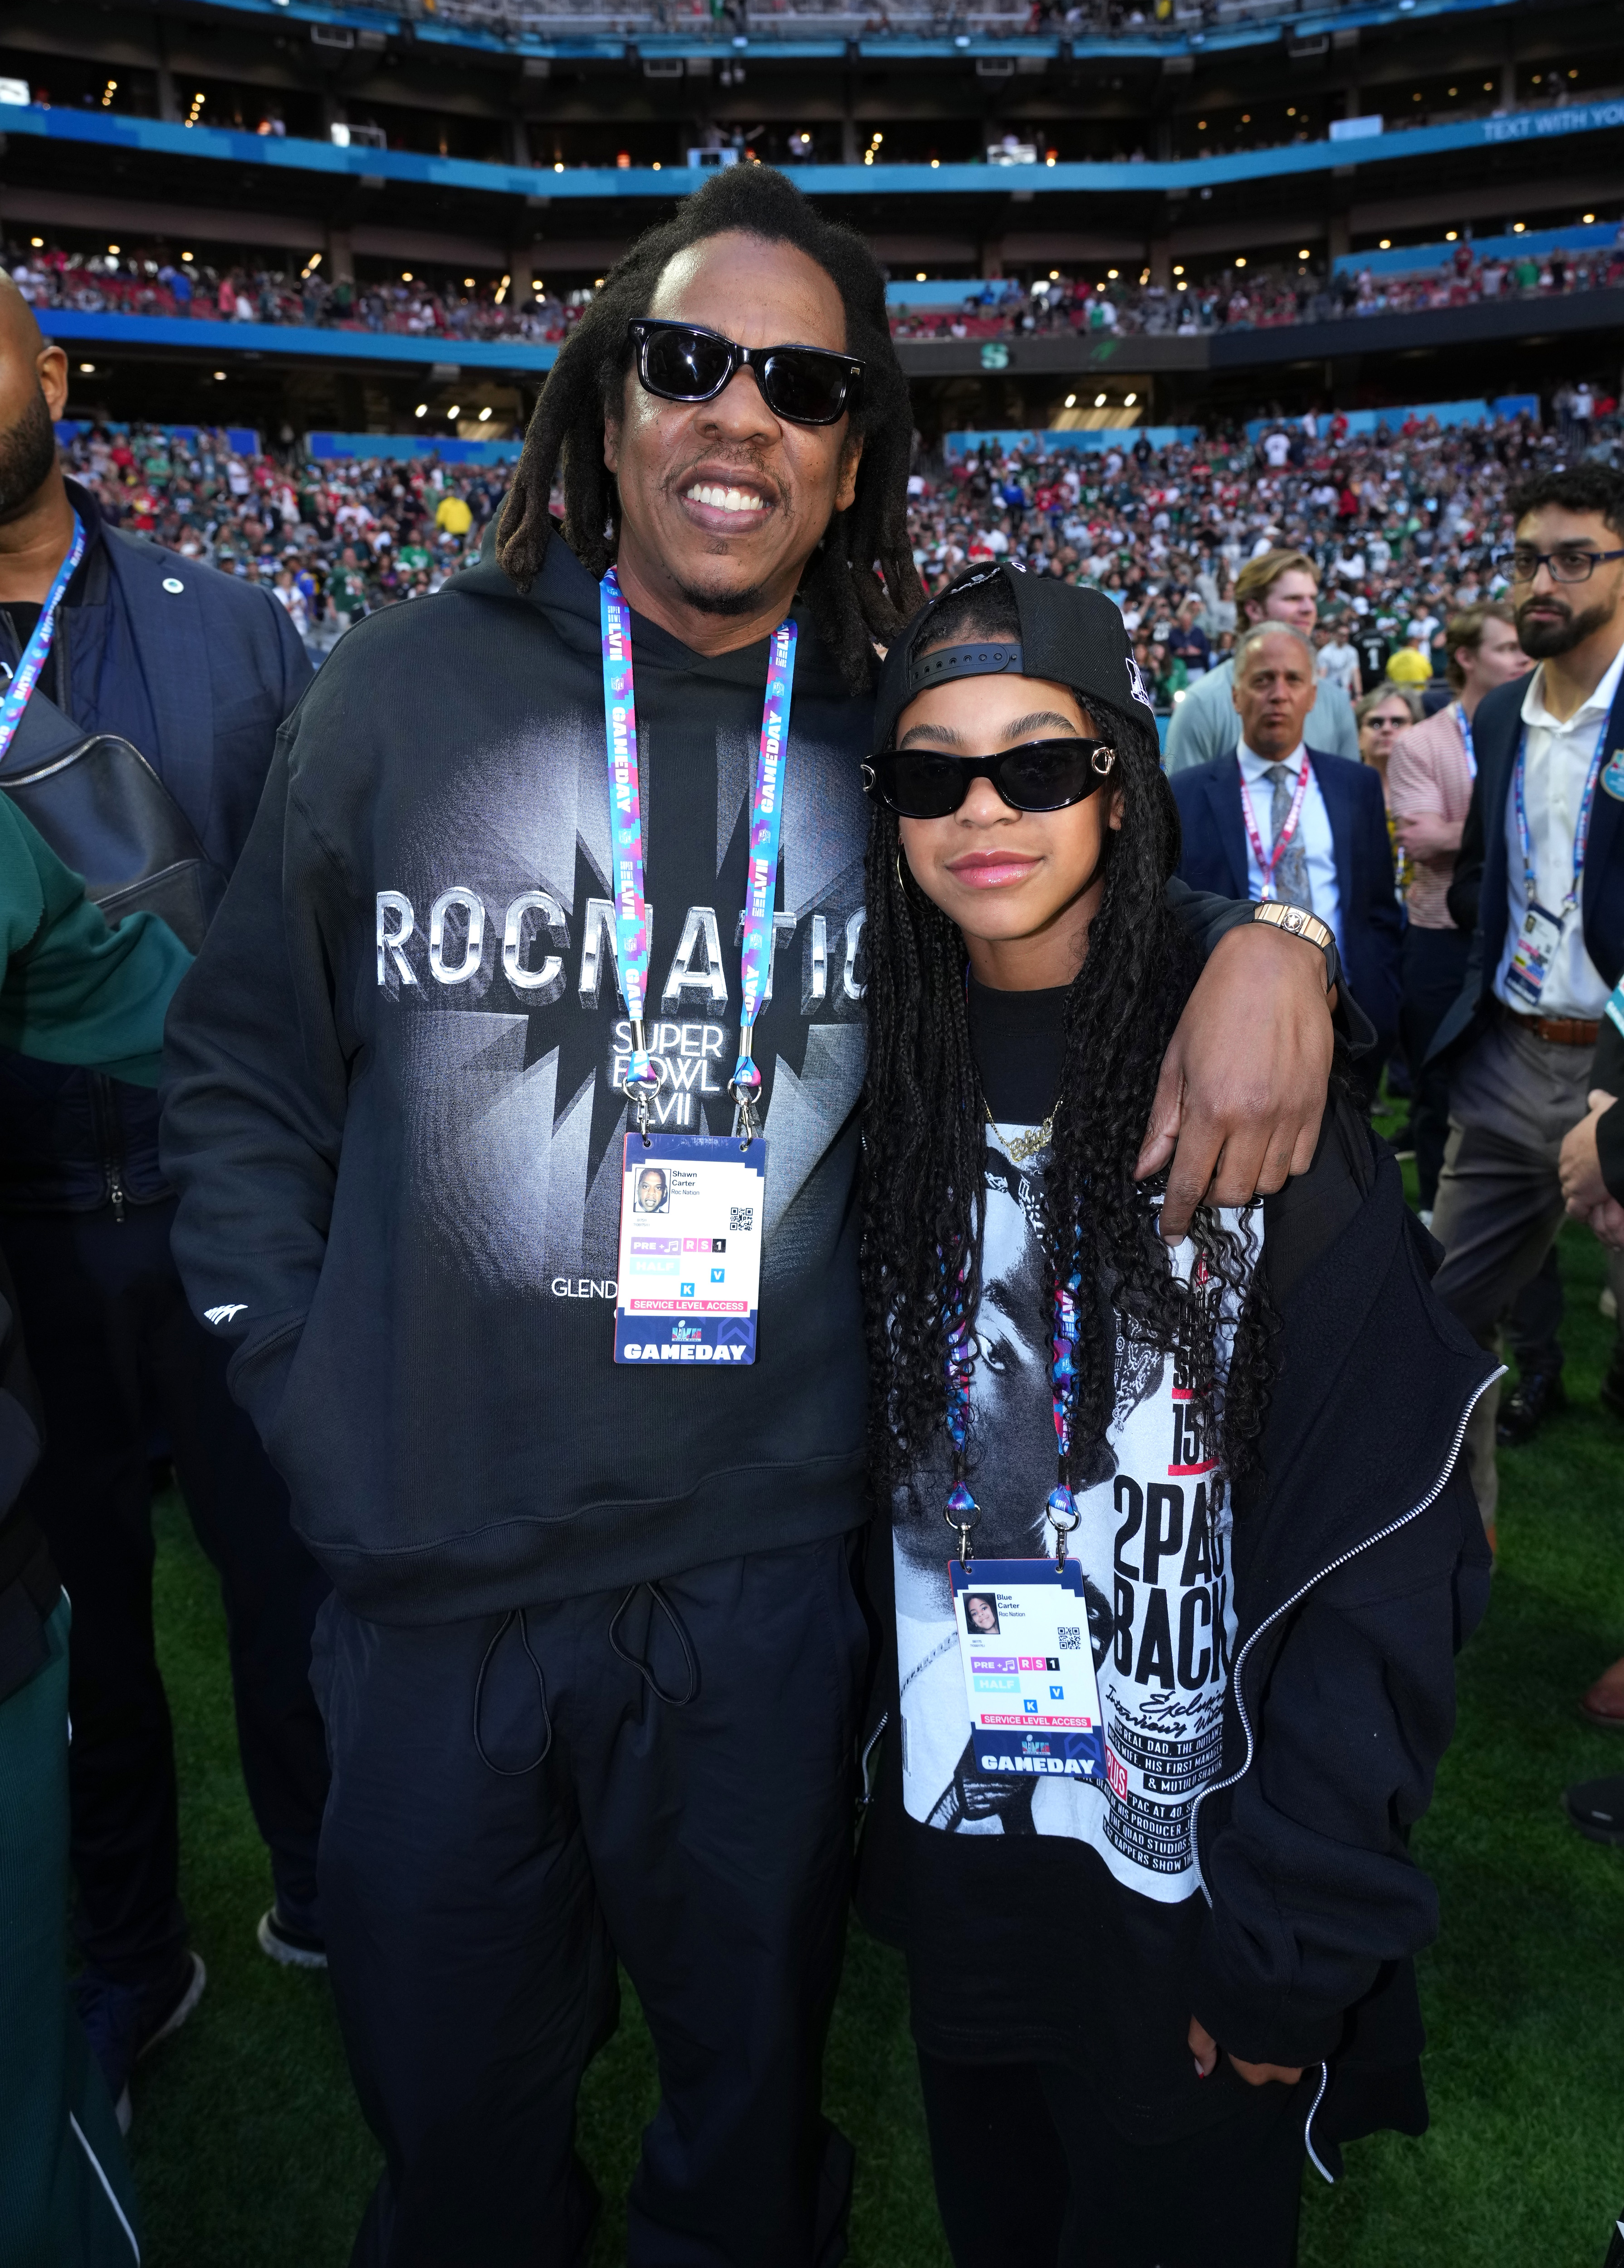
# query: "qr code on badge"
(742, 1220)
(1070, 1635)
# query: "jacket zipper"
(1218, 1786)
(112, 1149)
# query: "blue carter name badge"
(1612, 778)
(1029, 1668)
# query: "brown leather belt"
(1558, 1031)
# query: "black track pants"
(483, 1867)
(1029, 2174)
(122, 1361)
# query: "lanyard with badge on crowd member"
(26, 676)
(1464, 723)
(1541, 930)
(691, 1204)
(1023, 1624)
(1266, 866)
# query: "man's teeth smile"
(724, 499)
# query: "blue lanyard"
(644, 1074)
(1060, 1510)
(1464, 723)
(1582, 832)
(26, 676)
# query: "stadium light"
(1099, 401)
(1385, 245)
(557, 165)
(1449, 236)
(1182, 287)
(38, 243)
(88, 369)
(455, 409)
(220, 377)
(1303, 254)
(1240, 260)
(656, 164)
(919, 279)
(422, 409)
(1590, 221)
(1128, 399)
(1054, 276)
(1111, 273)
(468, 283)
(405, 275)
(934, 163)
(1178, 271)
(1518, 227)
(112, 251)
(485, 415)
(1071, 402)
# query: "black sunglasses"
(1037, 775)
(683, 361)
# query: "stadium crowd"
(1237, 298)
(119, 283)
(1399, 524)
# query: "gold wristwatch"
(1296, 922)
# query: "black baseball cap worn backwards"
(1072, 637)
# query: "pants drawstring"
(502, 1770)
(672, 1700)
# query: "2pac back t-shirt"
(1052, 1917)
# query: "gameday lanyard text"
(632, 941)
(26, 676)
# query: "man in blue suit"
(1280, 819)
(195, 671)
(1539, 882)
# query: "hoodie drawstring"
(518, 1771)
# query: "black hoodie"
(392, 1115)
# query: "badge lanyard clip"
(645, 1073)
(1266, 866)
(26, 676)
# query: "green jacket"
(71, 990)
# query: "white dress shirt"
(1556, 762)
(1313, 832)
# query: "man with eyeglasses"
(1539, 881)
(592, 1673)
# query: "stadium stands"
(1402, 524)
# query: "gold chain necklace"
(1023, 1148)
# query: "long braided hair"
(924, 1138)
(851, 604)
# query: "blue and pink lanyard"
(1580, 834)
(26, 676)
(642, 1075)
(1061, 1510)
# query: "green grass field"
(249, 2152)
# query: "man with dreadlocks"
(591, 1675)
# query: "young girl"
(1154, 1743)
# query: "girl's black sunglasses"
(683, 361)
(1037, 775)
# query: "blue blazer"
(1478, 891)
(198, 670)
(1213, 857)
